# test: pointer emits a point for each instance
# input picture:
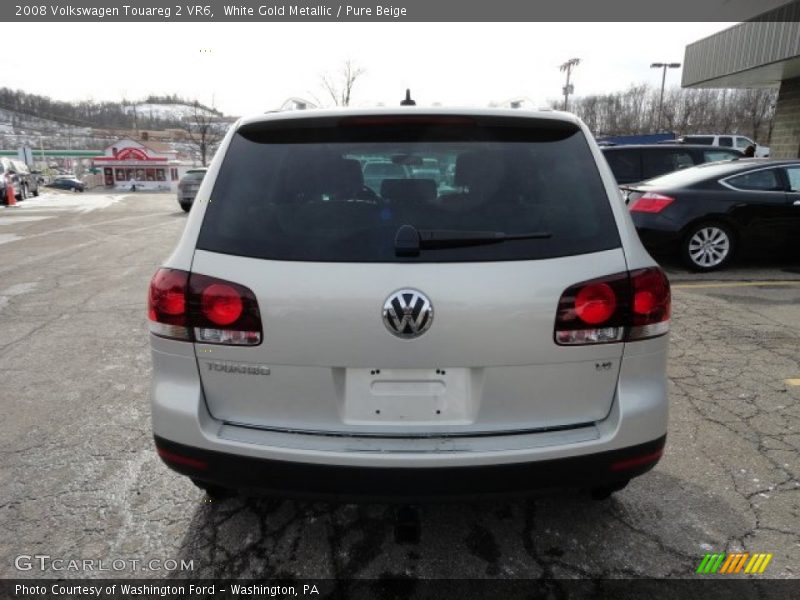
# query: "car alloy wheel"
(709, 247)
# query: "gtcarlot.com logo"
(45, 562)
(733, 563)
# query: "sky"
(246, 68)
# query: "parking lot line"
(792, 381)
(723, 284)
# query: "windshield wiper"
(409, 240)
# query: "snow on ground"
(74, 201)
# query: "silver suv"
(504, 332)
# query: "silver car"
(188, 186)
(314, 335)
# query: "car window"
(714, 155)
(625, 164)
(658, 162)
(764, 180)
(743, 142)
(298, 192)
(705, 140)
(725, 141)
(793, 174)
(194, 175)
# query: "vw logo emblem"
(407, 313)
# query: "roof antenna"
(408, 101)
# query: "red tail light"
(651, 202)
(166, 305)
(621, 307)
(595, 303)
(205, 309)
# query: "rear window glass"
(194, 175)
(660, 161)
(714, 155)
(625, 164)
(693, 175)
(699, 139)
(340, 189)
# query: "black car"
(67, 183)
(640, 162)
(709, 212)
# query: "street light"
(568, 89)
(664, 67)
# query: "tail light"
(205, 309)
(622, 307)
(651, 202)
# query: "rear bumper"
(297, 463)
(309, 480)
(656, 231)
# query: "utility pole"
(568, 89)
(664, 67)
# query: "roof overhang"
(760, 52)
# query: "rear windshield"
(194, 175)
(693, 175)
(340, 190)
(698, 139)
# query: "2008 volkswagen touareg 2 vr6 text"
(498, 328)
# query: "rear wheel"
(36, 192)
(708, 246)
(605, 491)
(186, 207)
(23, 191)
(215, 492)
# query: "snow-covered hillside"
(166, 111)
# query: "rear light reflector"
(192, 307)
(651, 202)
(178, 459)
(630, 463)
(622, 307)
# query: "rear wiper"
(409, 240)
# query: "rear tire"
(708, 246)
(23, 192)
(186, 207)
(604, 492)
(215, 492)
(36, 192)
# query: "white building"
(147, 165)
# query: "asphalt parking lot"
(81, 480)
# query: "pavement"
(80, 479)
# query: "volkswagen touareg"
(498, 328)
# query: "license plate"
(408, 396)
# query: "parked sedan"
(710, 212)
(67, 183)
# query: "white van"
(739, 142)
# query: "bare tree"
(744, 111)
(204, 130)
(340, 86)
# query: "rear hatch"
(292, 219)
